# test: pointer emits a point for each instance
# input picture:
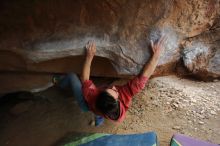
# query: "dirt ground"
(167, 105)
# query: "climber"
(112, 102)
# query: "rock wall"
(50, 35)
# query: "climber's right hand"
(90, 49)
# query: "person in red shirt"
(113, 102)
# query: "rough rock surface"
(201, 54)
(14, 82)
(50, 35)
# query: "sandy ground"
(167, 105)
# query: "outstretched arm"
(90, 53)
(138, 83)
(157, 49)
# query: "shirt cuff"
(87, 83)
(143, 78)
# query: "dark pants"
(74, 83)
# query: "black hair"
(108, 105)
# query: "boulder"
(50, 35)
(201, 54)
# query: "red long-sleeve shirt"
(126, 92)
